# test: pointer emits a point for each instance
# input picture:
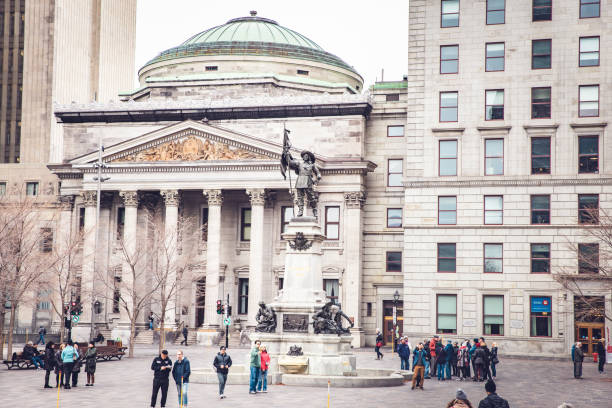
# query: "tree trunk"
(132, 337)
(9, 345)
(2, 315)
(162, 332)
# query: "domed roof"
(252, 36)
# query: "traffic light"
(219, 306)
(229, 310)
(73, 308)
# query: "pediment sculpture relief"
(190, 148)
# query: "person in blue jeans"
(403, 350)
(181, 370)
(448, 351)
(262, 383)
(255, 367)
(441, 361)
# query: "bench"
(107, 353)
(18, 362)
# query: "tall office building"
(56, 51)
(507, 157)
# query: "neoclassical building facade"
(199, 145)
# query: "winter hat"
(490, 386)
(461, 395)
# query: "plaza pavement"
(127, 384)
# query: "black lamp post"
(396, 297)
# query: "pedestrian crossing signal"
(219, 307)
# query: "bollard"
(58, 388)
(328, 397)
(181, 391)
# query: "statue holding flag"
(308, 176)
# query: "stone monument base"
(325, 354)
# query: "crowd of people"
(443, 360)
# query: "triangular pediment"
(187, 141)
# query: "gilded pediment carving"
(190, 148)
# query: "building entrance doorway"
(388, 320)
(200, 301)
(589, 321)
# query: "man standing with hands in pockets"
(162, 366)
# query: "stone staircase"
(144, 337)
(234, 340)
(106, 333)
(192, 337)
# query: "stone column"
(256, 255)
(213, 259)
(130, 202)
(171, 200)
(353, 202)
(63, 238)
(87, 271)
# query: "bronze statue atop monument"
(308, 176)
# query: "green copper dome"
(251, 36)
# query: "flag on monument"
(286, 147)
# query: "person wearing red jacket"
(262, 384)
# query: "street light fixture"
(396, 297)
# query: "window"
(589, 101)
(447, 258)
(541, 54)
(448, 106)
(245, 224)
(281, 283)
(395, 172)
(588, 258)
(540, 209)
(542, 10)
(589, 8)
(494, 157)
(46, 240)
(44, 305)
(212, 68)
(496, 11)
(394, 261)
(494, 104)
(392, 97)
(2, 188)
(32, 188)
(331, 288)
(494, 209)
(447, 314)
(395, 131)
(541, 316)
(243, 295)
(589, 52)
(540, 155)
(394, 217)
(540, 258)
(286, 216)
(493, 315)
(449, 59)
(81, 219)
(450, 13)
(588, 208)
(369, 309)
(204, 224)
(332, 222)
(493, 258)
(540, 103)
(448, 158)
(588, 154)
(302, 72)
(120, 221)
(447, 210)
(495, 56)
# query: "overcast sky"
(368, 35)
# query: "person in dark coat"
(578, 359)
(162, 367)
(222, 363)
(90, 364)
(494, 360)
(181, 370)
(601, 351)
(454, 359)
(418, 367)
(76, 368)
(440, 362)
(492, 400)
(185, 332)
(404, 353)
(379, 343)
(59, 366)
(50, 360)
(487, 360)
(479, 361)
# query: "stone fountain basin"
(362, 378)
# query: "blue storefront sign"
(540, 304)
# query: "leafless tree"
(593, 270)
(25, 253)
